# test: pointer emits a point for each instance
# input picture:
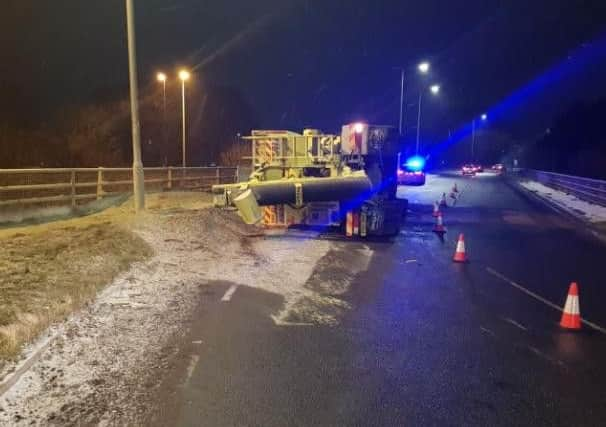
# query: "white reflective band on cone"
(572, 305)
(460, 246)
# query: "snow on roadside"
(103, 364)
(594, 213)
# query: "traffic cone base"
(460, 255)
(571, 316)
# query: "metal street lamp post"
(435, 89)
(423, 68)
(184, 75)
(473, 134)
(138, 178)
(161, 77)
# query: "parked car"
(498, 168)
(407, 177)
(411, 172)
(468, 170)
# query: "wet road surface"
(426, 341)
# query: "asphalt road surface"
(426, 342)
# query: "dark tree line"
(575, 144)
(99, 134)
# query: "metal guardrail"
(590, 190)
(57, 186)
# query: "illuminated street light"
(423, 67)
(434, 89)
(161, 77)
(184, 75)
(484, 117)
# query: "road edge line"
(229, 293)
(540, 298)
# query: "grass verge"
(47, 274)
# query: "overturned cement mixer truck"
(345, 182)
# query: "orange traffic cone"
(436, 209)
(454, 188)
(443, 201)
(459, 255)
(439, 227)
(571, 316)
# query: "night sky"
(305, 62)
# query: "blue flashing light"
(415, 163)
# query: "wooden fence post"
(72, 181)
(99, 183)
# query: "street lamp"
(423, 68)
(184, 75)
(434, 89)
(138, 178)
(484, 117)
(161, 77)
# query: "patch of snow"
(593, 213)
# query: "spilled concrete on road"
(103, 365)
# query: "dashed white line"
(191, 367)
(230, 292)
(488, 331)
(514, 323)
(540, 298)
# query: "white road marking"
(488, 331)
(514, 323)
(546, 357)
(191, 367)
(541, 299)
(230, 292)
